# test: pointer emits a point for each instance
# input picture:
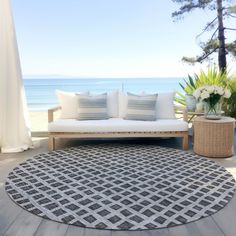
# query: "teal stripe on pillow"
(92, 107)
(141, 107)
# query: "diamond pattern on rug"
(120, 187)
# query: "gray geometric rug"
(120, 187)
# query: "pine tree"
(217, 41)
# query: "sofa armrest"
(51, 113)
(182, 110)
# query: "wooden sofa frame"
(52, 136)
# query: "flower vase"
(199, 107)
(212, 112)
(190, 102)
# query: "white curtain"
(14, 129)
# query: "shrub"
(211, 77)
(229, 105)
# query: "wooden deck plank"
(49, 227)
(8, 211)
(192, 229)
(226, 220)
(7, 217)
(189, 229)
(158, 232)
(126, 233)
(75, 231)
(178, 231)
(96, 232)
(208, 227)
(25, 225)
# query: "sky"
(106, 38)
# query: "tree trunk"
(221, 38)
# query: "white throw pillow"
(68, 102)
(165, 105)
(112, 103)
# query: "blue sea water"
(40, 93)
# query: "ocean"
(40, 93)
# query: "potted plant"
(212, 77)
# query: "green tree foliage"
(217, 42)
(230, 104)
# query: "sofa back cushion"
(112, 103)
(123, 103)
(165, 105)
(68, 102)
(92, 107)
(141, 107)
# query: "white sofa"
(116, 126)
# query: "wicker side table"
(213, 138)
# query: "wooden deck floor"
(14, 221)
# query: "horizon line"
(93, 77)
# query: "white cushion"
(116, 125)
(112, 103)
(123, 103)
(68, 102)
(165, 105)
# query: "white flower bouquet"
(212, 96)
(204, 93)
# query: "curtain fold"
(14, 126)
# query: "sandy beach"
(39, 120)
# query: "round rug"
(120, 187)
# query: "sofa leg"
(51, 143)
(185, 142)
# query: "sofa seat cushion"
(117, 125)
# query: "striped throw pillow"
(141, 107)
(92, 107)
